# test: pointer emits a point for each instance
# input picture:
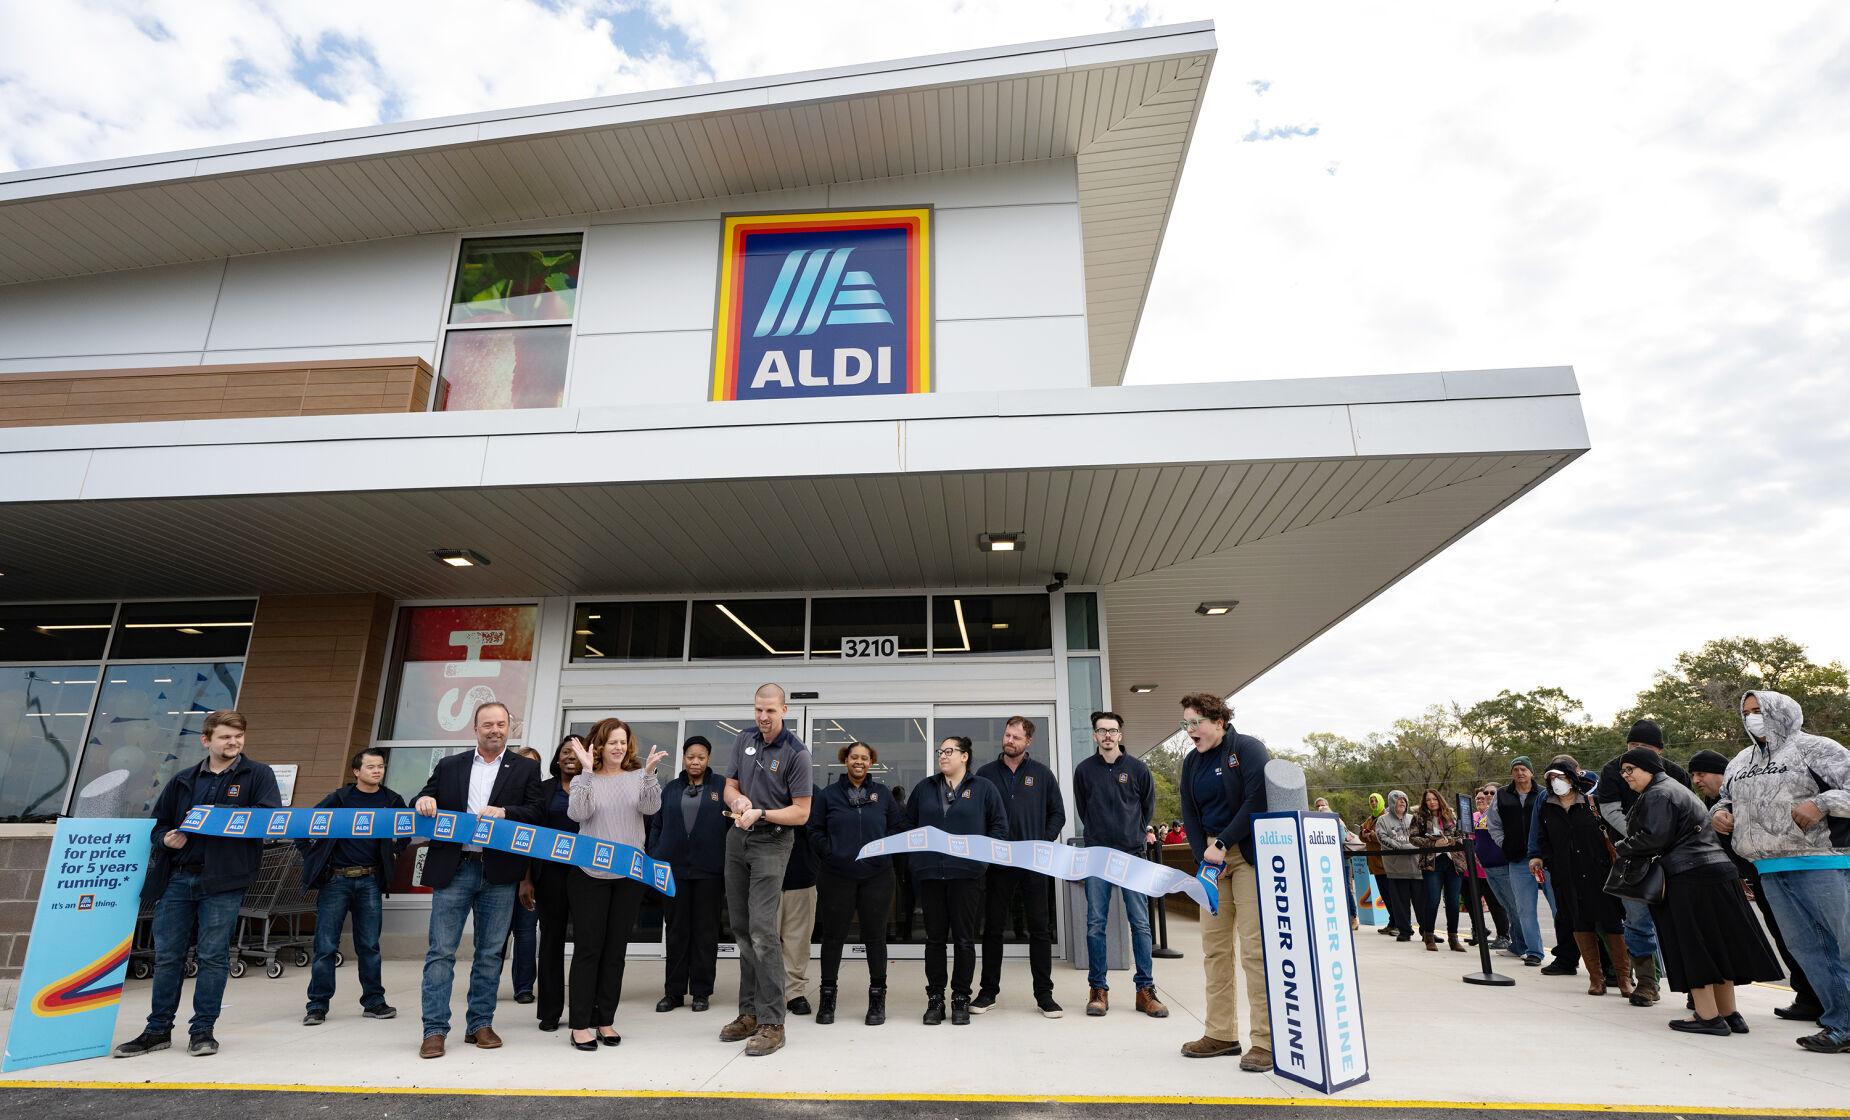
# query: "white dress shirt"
(481, 783)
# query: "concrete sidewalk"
(1431, 1038)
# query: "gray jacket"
(1392, 832)
(1765, 782)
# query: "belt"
(353, 872)
(472, 857)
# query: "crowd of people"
(1649, 868)
(780, 853)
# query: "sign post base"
(1492, 979)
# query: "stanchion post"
(1488, 975)
(1159, 912)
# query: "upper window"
(874, 616)
(652, 630)
(509, 330)
(993, 624)
(1082, 620)
(184, 631)
(741, 628)
(41, 632)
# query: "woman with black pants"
(611, 801)
(951, 889)
(851, 812)
(689, 834)
(543, 890)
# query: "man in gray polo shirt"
(768, 791)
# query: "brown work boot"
(1205, 1047)
(1098, 1002)
(769, 1039)
(432, 1048)
(1150, 1005)
(1644, 987)
(739, 1029)
(1257, 1060)
(484, 1038)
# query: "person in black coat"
(352, 877)
(689, 834)
(543, 889)
(1036, 811)
(492, 783)
(846, 816)
(951, 889)
(1572, 846)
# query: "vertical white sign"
(1311, 984)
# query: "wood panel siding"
(311, 681)
(114, 396)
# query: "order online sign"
(824, 304)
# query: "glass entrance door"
(651, 729)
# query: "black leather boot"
(934, 1008)
(960, 1011)
(825, 1006)
(876, 1006)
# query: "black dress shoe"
(1716, 1026)
(1799, 1012)
(577, 1045)
(798, 1006)
(549, 1024)
(610, 1039)
(668, 1003)
(1735, 1023)
(523, 997)
(700, 1003)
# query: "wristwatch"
(1215, 840)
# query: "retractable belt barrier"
(1061, 861)
(503, 835)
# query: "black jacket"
(1031, 796)
(800, 868)
(317, 853)
(516, 789)
(1669, 821)
(838, 830)
(230, 864)
(975, 810)
(1116, 801)
(1573, 840)
(1515, 818)
(1241, 761)
(700, 854)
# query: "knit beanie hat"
(1644, 758)
(1647, 732)
(1708, 762)
(1522, 760)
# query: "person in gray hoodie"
(1786, 801)
(1403, 886)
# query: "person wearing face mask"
(1573, 848)
(1404, 886)
(689, 834)
(1786, 801)
(850, 813)
(1614, 798)
(1705, 774)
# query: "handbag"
(1635, 878)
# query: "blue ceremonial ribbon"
(1058, 860)
(503, 835)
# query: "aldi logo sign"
(827, 304)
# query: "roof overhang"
(1300, 499)
(1122, 105)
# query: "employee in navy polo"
(769, 793)
(1223, 788)
(352, 876)
(1116, 801)
(469, 883)
(1031, 794)
(198, 882)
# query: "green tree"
(1697, 701)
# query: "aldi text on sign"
(1311, 983)
(824, 304)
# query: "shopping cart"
(270, 917)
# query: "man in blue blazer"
(492, 782)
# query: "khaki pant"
(796, 919)
(1239, 916)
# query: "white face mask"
(1560, 786)
(1756, 725)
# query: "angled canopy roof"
(1124, 105)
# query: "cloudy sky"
(1652, 193)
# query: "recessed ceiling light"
(1001, 542)
(998, 626)
(581, 631)
(189, 630)
(594, 616)
(458, 557)
(1221, 607)
(1140, 689)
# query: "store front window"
(446, 661)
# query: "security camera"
(1059, 581)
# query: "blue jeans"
(1640, 930)
(492, 904)
(1499, 883)
(1443, 883)
(524, 928)
(338, 897)
(176, 916)
(1813, 908)
(1525, 925)
(1098, 913)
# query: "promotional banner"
(1058, 860)
(1311, 983)
(461, 828)
(81, 936)
(1370, 907)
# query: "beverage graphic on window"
(509, 330)
(453, 659)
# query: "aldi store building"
(625, 406)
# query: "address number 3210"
(869, 649)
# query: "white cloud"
(1653, 197)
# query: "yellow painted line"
(949, 1098)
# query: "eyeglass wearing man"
(1116, 798)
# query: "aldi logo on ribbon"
(279, 823)
(562, 847)
(362, 823)
(239, 822)
(445, 828)
(403, 824)
(318, 823)
(601, 856)
(195, 817)
(824, 304)
(484, 831)
(523, 840)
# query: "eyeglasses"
(1109, 733)
(942, 751)
(1191, 724)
